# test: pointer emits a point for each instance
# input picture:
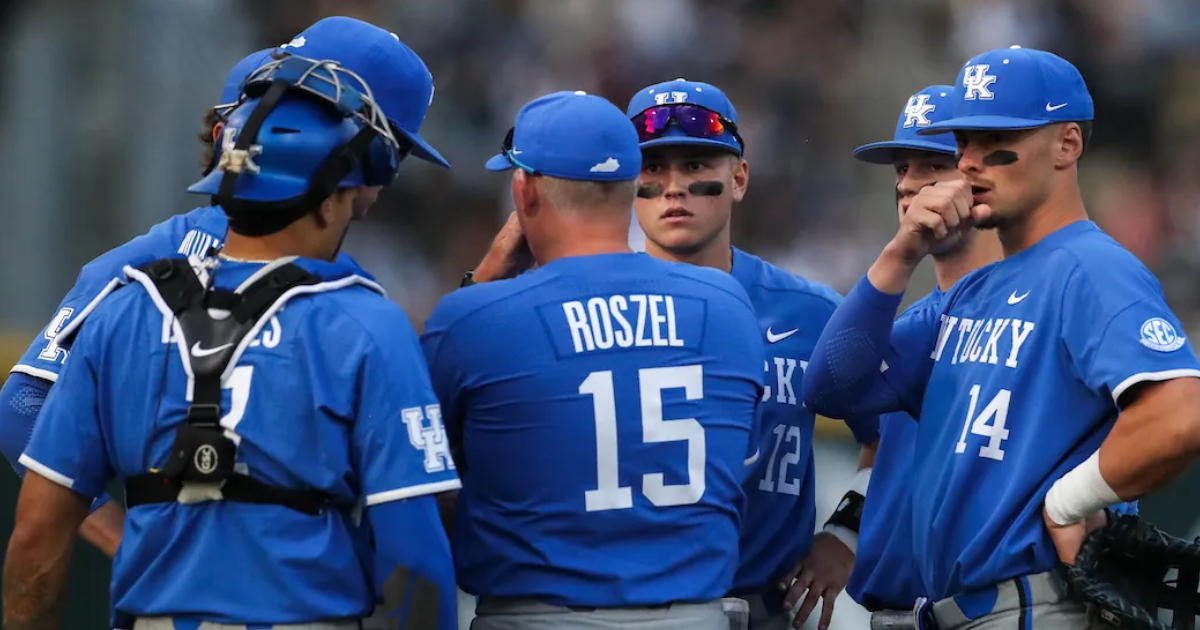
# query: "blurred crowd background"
(103, 101)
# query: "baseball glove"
(1123, 571)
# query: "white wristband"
(1079, 493)
(848, 538)
(861, 481)
(845, 534)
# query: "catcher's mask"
(1130, 573)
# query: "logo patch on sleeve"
(1158, 334)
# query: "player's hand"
(823, 574)
(508, 256)
(1069, 538)
(936, 218)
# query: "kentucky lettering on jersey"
(1031, 357)
(198, 243)
(610, 416)
(623, 321)
(338, 424)
(780, 493)
(985, 339)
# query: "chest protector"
(201, 461)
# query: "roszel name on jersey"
(606, 322)
(982, 340)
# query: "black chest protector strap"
(202, 453)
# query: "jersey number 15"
(609, 494)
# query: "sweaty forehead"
(683, 152)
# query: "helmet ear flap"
(246, 138)
(338, 165)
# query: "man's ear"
(1069, 146)
(217, 128)
(525, 194)
(326, 213)
(741, 179)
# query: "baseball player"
(1048, 386)
(693, 172)
(885, 579)
(252, 402)
(30, 379)
(368, 50)
(605, 418)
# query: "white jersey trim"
(45, 375)
(1152, 377)
(749, 461)
(77, 321)
(413, 491)
(45, 471)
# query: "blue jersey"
(188, 234)
(331, 394)
(885, 571)
(780, 494)
(1019, 382)
(605, 415)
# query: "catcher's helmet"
(303, 129)
(1123, 571)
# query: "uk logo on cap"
(917, 111)
(1016, 88)
(921, 111)
(976, 81)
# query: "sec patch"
(1158, 334)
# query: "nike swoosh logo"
(199, 352)
(1016, 299)
(1050, 108)
(774, 338)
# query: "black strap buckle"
(204, 414)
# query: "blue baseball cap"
(399, 80)
(684, 92)
(572, 135)
(929, 106)
(1016, 88)
(237, 76)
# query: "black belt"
(155, 488)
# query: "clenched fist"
(937, 218)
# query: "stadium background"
(102, 102)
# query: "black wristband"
(849, 512)
(468, 279)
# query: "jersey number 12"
(609, 494)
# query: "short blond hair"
(569, 194)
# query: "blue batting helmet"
(304, 128)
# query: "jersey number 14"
(609, 494)
(989, 423)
